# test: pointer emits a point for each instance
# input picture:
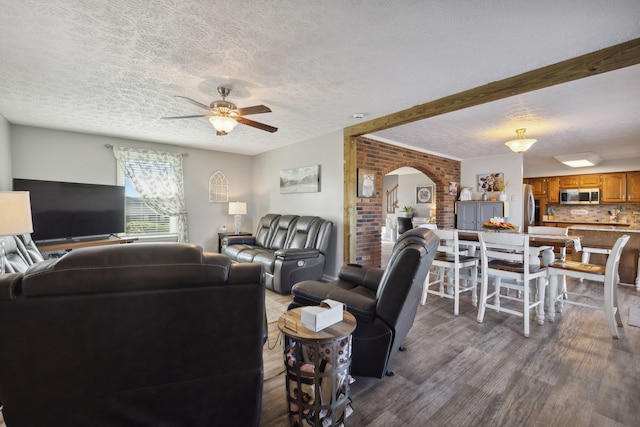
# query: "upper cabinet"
(633, 187)
(539, 186)
(569, 181)
(614, 188)
(553, 189)
(580, 181)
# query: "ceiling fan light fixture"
(520, 144)
(223, 123)
(579, 160)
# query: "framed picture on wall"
(424, 194)
(366, 183)
(491, 182)
(300, 180)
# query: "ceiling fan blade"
(199, 104)
(257, 125)
(190, 117)
(256, 109)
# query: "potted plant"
(406, 211)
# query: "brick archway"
(383, 158)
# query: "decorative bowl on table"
(498, 224)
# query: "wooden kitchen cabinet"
(614, 188)
(569, 181)
(539, 187)
(553, 189)
(589, 181)
(580, 181)
(633, 187)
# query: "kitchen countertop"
(600, 225)
(594, 227)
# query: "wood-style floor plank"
(460, 372)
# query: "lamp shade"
(237, 208)
(223, 123)
(15, 213)
(520, 144)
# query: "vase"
(503, 196)
(485, 196)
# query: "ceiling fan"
(224, 115)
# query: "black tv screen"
(66, 210)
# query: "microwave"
(582, 196)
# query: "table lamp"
(15, 217)
(237, 209)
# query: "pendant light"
(520, 144)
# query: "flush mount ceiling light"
(579, 160)
(520, 144)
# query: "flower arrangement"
(501, 184)
(498, 223)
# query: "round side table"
(317, 366)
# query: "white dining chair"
(505, 257)
(429, 225)
(548, 254)
(598, 273)
(550, 231)
(450, 267)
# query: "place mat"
(634, 316)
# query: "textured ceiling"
(113, 68)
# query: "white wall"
(5, 155)
(326, 151)
(511, 166)
(46, 154)
(407, 193)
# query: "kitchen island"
(597, 235)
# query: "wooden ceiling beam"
(608, 59)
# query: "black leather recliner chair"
(144, 334)
(383, 301)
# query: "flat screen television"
(67, 210)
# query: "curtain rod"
(109, 146)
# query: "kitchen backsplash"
(595, 213)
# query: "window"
(139, 217)
(158, 181)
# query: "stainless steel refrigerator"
(528, 209)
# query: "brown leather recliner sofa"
(145, 334)
(291, 248)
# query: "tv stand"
(67, 246)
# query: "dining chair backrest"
(450, 267)
(613, 260)
(448, 241)
(551, 231)
(429, 226)
(507, 256)
(513, 247)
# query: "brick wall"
(381, 159)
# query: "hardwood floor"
(457, 372)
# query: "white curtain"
(157, 177)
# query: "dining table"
(543, 254)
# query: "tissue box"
(319, 317)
